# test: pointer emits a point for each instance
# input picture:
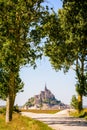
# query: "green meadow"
(22, 123)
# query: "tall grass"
(82, 114)
(22, 123)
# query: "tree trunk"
(9, 107)
(81, 80)
(80, 107)
(10, 98)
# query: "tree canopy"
(17, 48)
(66, 41)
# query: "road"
(60, 120)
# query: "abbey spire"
(46, 87)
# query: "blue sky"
(61, 85)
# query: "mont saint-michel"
(44, 100)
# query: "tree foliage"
(66, 41)
(4, 86)
(17, 48)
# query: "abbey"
(44, 100)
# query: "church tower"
(46, 87)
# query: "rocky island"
(44, 100)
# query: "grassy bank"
(82, 114)
(22, 123)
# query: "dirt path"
(60, 120)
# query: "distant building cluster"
(44, 100)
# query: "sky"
(60, 84)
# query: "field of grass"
(22, 123)
(82, 114)
(42, 111)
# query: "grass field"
(42, 111)
(82, 114)
(22, 123)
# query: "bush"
(74, 102)
(16, 109)
(3, 110)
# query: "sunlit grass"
(82, 114)
(22, 123)
(42, 111)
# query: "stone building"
(44, 100)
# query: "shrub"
(3, 110)
(16, 109)
(74, 102)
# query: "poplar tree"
(17, 48)
(66, 42)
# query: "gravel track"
(60, 120)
